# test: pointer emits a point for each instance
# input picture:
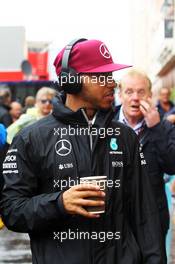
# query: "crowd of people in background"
(14, 116)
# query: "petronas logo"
(113, 144)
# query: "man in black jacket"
(164, 104)
(156, 137)
(42, 193)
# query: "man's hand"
(75, 199)
(150, 112)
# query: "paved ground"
(14, 248)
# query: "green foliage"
(172, 96)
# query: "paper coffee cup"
(100, 181)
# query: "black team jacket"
(39, 163)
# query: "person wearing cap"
(42, 170)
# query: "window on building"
(168, 28)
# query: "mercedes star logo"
(104, 51)
(63, 147)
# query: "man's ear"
(119, 94)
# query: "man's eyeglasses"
(44, 101)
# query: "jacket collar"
(67, 116)
(144, 138)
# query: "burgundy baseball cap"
(89, 56)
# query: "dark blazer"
(158, 146)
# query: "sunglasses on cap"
(44, 101)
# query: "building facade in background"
(22, 60)
(153, 26)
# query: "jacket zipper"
(90, 124)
